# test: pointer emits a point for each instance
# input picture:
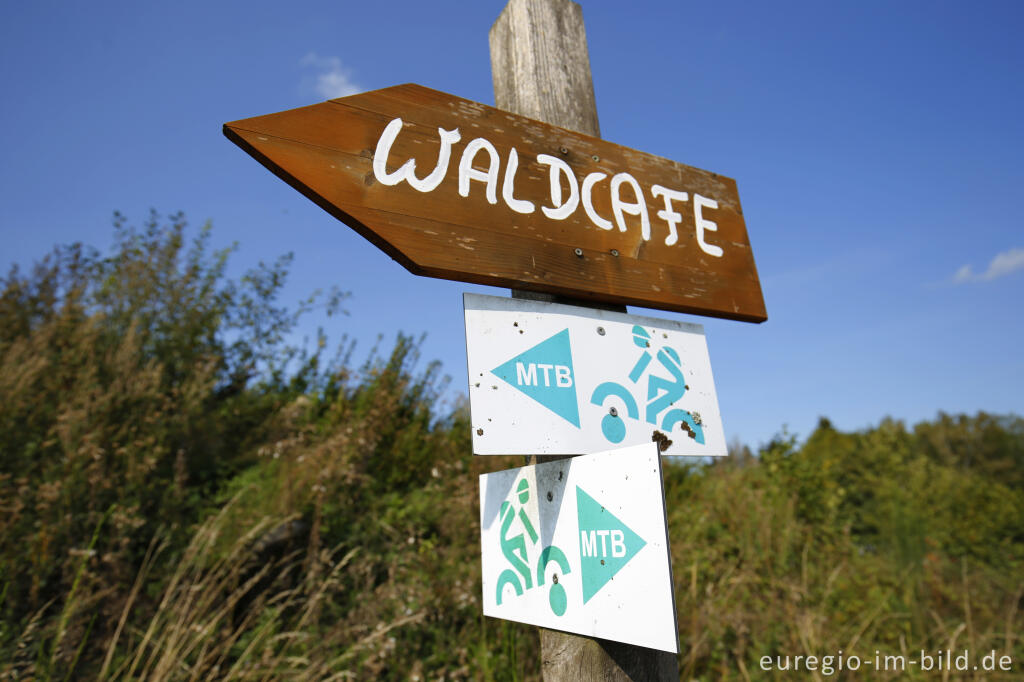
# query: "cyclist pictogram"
(662, 394)
(518, 553)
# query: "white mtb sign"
(581, 545)
(546, 378)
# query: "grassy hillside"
(184, 496)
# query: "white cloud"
(331, 79)
(1003, 264)
(964, 274)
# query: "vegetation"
(183, 495)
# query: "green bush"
(131, 388)
(184, 495)
(856, 542)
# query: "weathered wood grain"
(540, 64)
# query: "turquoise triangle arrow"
(606, 544)
(545, 374)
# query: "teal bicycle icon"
(662, 394)
(514, 547)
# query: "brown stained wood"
(326, 152)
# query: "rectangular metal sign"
(546, 378)
(581, 545)
(459, 190)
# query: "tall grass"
(226, 617)
(768, 564)
(183, 496)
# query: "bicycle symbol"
(662, 393)
(520, 576)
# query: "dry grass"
(178, 502)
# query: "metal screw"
(554, 578)
(596, 158)
(579, 252)
(615, 252)
(600, 330)
(563, 150)
(613, 412)
(550, 496)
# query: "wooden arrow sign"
(459, 190)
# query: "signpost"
(581, 545)
(459, 190)
(541, 69)
(546, 379)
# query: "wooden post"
(540, 64)
(541, 69)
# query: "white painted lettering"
(380, 156)
(547, 372)
(618, 543)
(669, 214)
(558, 209)
(603, 534)
(489, 176)
(562, 376)
(524, 376)
(638, 207)
(702, 224)
(588, 543)
(407, 170)
(588, 202)
(507, 187)
(560, 177)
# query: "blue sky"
(876, 145)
